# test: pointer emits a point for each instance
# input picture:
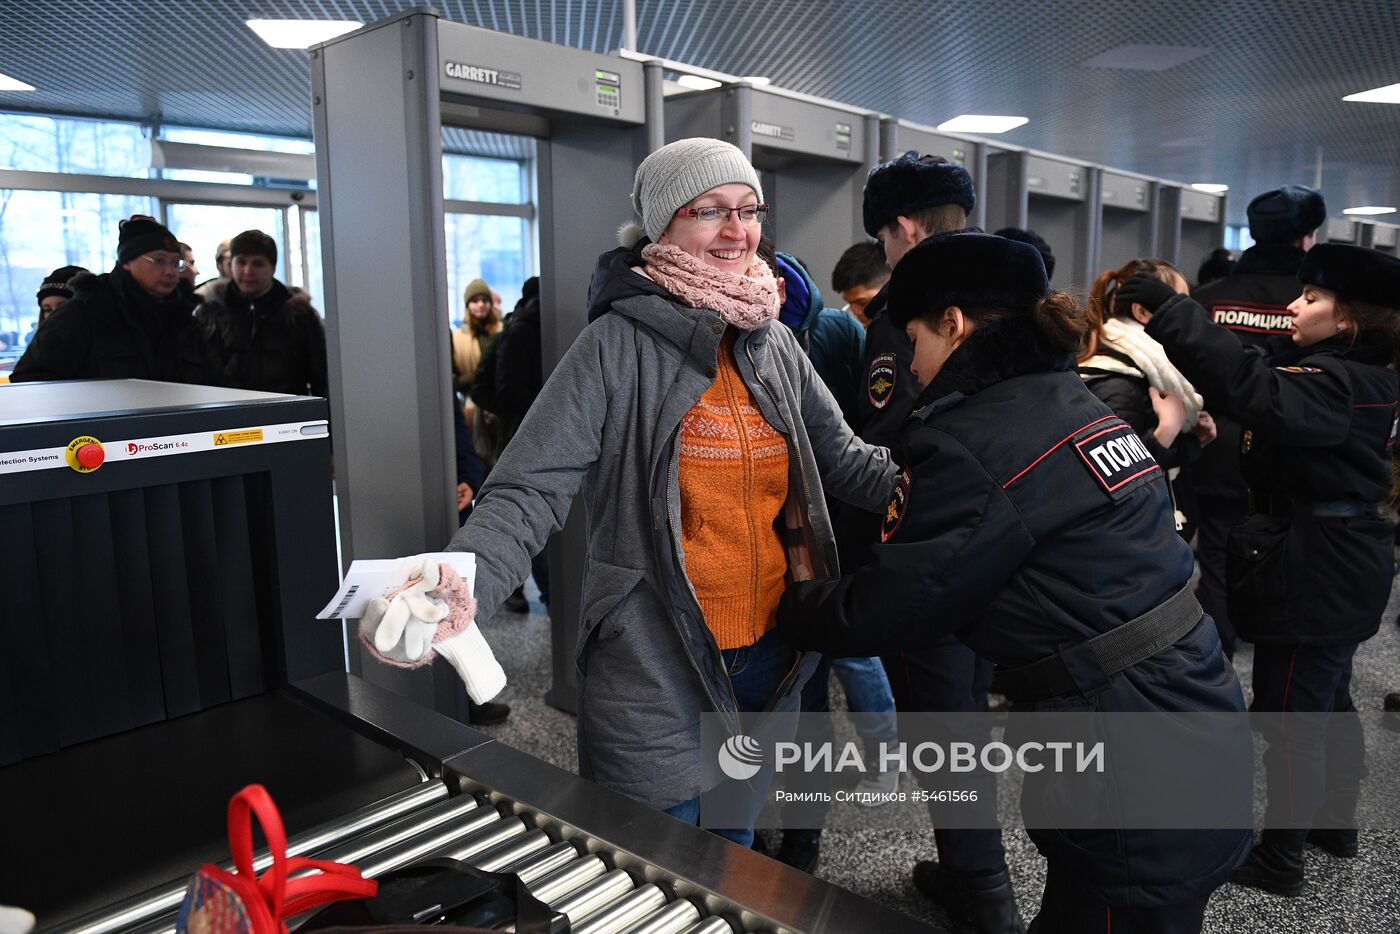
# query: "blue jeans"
(755, 671)
(868, 692)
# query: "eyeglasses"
(178, 265)
(715, 216)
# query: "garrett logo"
(740, 757)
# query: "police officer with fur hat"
(1252, 301)
(907, 201)
(130, 323)
(1310, 566)
(1006, 532)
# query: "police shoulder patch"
(1297, 369)
(899, 505)
(1116, 457)
(880, 380)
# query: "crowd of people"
(895, 492)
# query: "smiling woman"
(707, 441)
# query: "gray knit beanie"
(680, 172)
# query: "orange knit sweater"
(733, 483)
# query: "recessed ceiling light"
(697, 83)
(1369, 209)
(982, 123)
(300, 33)
(758, 80)
(1210, 187)
(1390, 94)
(13, 84)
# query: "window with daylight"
(30, 143)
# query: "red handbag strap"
(253, 801)
(335, 882)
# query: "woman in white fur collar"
(1130, 372)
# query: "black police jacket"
(1029, 517)
(1318, 430)
(1252, 302)
(113, 329)
(272, 343)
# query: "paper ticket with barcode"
(376, 578)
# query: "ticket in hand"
(376, 578)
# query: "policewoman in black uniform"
(1011, 532)
(1310, 567)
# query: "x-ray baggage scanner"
(899, 136)
(1191, 225)
(1055, 198)
(1127, 223)
(381, 96)
(812, 157)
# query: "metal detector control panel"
(1383, 235)
(1059, 179)
(936, 144)
(1126, 191)
(1199, 206)
(480, 63)
(778, 122)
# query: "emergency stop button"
(85, 454)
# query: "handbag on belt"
(218, 901)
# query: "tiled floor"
(1359, 896)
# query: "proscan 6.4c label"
(482, 75)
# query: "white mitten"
(432, 614)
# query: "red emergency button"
(91, 456)
(85, 454)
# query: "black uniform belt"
(1086, 667)
(1279, 505)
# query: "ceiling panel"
(1261, 107)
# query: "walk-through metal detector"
(899, 136)
(812, 158)
(1379, 236)
(1054, 197)
(380, 98)
(1190, 225)
(1127, 225)
(1341, 230)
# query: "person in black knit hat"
(131, 322)
(1252, 301)
(54, 290)
(261, 335)
(986, 538)
(1312, 561)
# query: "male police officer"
(1253, 302)
(130, 323)
(907, 201)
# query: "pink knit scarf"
(747, 302)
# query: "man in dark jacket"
(130, 323)
(261, 336)
(1253, 302)
(511, 372)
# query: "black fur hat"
(1353, 272)
(1047, 255)
(1286, 214)
(914, 183)
(970, 270)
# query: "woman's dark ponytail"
(1062, 321)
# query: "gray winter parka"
(608, 421)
